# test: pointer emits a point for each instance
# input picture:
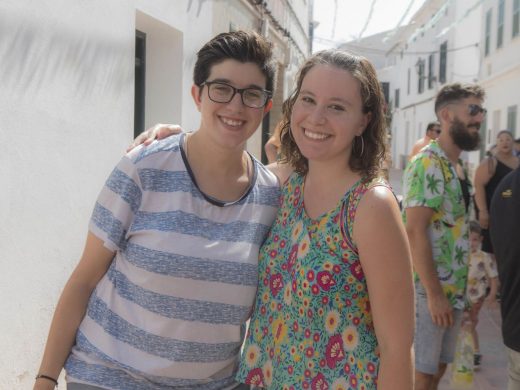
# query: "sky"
(357, 17)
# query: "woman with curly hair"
(334, 306)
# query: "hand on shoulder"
(281, 170)
(159, 131)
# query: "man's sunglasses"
(475, 109)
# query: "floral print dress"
(312, 327)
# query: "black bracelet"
(48, 378)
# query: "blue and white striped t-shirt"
(171, 310)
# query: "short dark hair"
(242, 46)
(517, 141)
(373, 101)
(474, 227)
(452, 93)
(431, 125)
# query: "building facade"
(441, 45)
(78, 79)
(499, 71)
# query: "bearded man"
(436, 208)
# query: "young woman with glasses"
(165, 285)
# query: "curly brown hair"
(367, 163)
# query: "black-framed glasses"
(475, 109)
(221, 92)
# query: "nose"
(317, 115)
(236, 102)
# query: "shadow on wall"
(35, 56)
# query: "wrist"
(46, 378)
(435, 292)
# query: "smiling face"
(229, 125)
(327, 114)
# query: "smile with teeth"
(231, 122)
(314, 135)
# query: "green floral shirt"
(430, 180)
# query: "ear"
(445, 114)
(268, 106)
(195, 94)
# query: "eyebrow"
(334, 99)
(227, 81)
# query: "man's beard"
(462, 137)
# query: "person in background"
(433, 130)
(436, 191)
(488, 175)
(167, 280)
(504, 228)
(482, 281)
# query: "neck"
(503, 155)
(326, 174)
(210, 157)
(451, 150)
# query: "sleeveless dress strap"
(349, 208)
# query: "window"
(140, 81)
(442, 62)
(511, 119)
(516, 17)
(487, 39)
(421, 76)
(396, 98)
(500, 27)
(408, 83)
(431, 77)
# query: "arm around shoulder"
(385, 258)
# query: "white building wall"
(66, 117)
(432, 26)
(500, 73)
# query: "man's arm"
(418, 220)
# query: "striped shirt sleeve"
(117, 205)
